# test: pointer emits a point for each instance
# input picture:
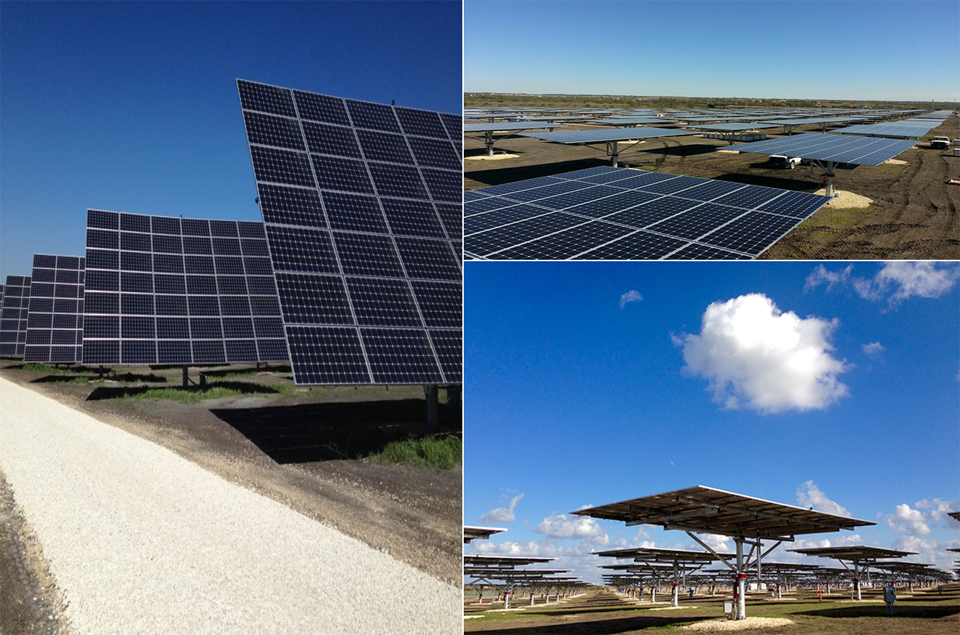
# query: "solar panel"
(733, 127)
(628, 121)
(55, 318)
(803, 122)
(365, 235)
(829, 147)
(1, 296)
(620, 214)
(905, 128)
(507, 125)
(601, 135)
(166, 290)
(13, 316)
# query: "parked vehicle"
(783, 161)
(941, 143)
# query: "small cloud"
(823, 275)
(526, 523)
(873, 349)
(756, 356)
(671, 462)
(628, 297)
(502, 514)
(563, 526)
(810, 496)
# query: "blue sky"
(817, 50)
(830, 385)
(133, 106)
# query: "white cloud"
(873, 349)
(502, 514)
(905, 519)
(563, 526)
(809, 495)
(628, 297)
(822, 275)
(896, 281)
(756, 356)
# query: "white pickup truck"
(942, 143)
(783, 161)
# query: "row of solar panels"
(355, 276)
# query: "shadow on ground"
(598, 627)
(682, 150)
(125, 377)
(332, 431)
(771, 181)
(901, 609)
(119, 392)
(278, 368)
(522, 172)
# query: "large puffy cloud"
(563, 526)
(756, 356)
(810, 496)
(912, 520)
(502, 514)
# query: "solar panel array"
(165, 290)
(601, 135)
(906, 128)
(13, 316)
(507, 125)
(363, 209)
(610, 213)
(830, 147)
(55, 320)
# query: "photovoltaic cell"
(13, 316)
(161, 296)
(367, 251)
(55, 316)
(610, 213)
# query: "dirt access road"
(263, 442)
(914, 214)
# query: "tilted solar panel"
(13, 316)
(829, 147)
(165, 290)
(55, 319)
(906, 128)
(604, 134)
(362, 205)
(620, 214)
(507, 125)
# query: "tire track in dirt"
(904, 182)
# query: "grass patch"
(43, 368)
(443, 453)
(191, 395)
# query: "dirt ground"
(604, 613)
(914, 215)
(299, 446)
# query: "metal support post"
(613, 151)
(488, 140)
(740, 608)
(432, 394)
(186, 378)
(830, 167)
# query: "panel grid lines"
(183, 292)
(726, 220)
(14, 315)
(371, 319)
(55, 316)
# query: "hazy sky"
(817, 50)
(134, 106)
(590, 383)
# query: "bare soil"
(302, 447)
(914, 214)
(605, 613)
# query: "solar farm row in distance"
(166, 290)
(601, 135)
(55, 318)
(363, 208)
(620, 214)
(829, 147)
(906, 128)
(13, 316)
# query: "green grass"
(443, 453)
(42, 368)
(187, 396)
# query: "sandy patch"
(740, 625)
(846, 199)
(496, 157)
(894, 162)
(730, 151)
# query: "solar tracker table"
(860, 556)
(606, 213)
(679, 561)
(828, 150)
(489, 128)
(13, 316)
(479, 533)
(362, 204)
(747, 520)
(611, 138)
(55, 318)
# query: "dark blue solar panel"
(145, 307)
(674, 212)
(367, 253)
(828, 147)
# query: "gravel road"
(142, 541)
